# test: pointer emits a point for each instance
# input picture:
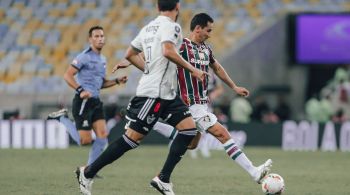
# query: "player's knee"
(192, 146)
(85, 141)
(101, 134)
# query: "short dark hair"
(200, 19)
(94, 28)
(167, 5)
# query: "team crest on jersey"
(177, 29)
(150, 118)
(85, 123)
(201, 55)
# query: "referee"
(86, 75)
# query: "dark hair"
(94, 28)
(167, 5)
(201, 19)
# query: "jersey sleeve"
(78, 62)
(211, 56)
(137, 42)
(172, 33)
(183, 46)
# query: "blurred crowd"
(332, 102)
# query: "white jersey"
(159, 78)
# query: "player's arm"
(124, 63)
(70, 80)
(222, 74)
(116, 81)
(170, 52)
(134, 57)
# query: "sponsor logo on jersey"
(150, 118)
(201, 62)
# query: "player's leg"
(170, 132)
(236, 154)
(166, 130)
(114, 151)
(62, 117)
(100, 128)
(137, 128)
(101, 140)
(180, 117)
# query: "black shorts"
(144, 112)
(86, 112)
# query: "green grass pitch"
(49, 172)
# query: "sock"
(97, 148)
(114, 151)
(237, 155)
(166, 130)
(204, 146)
(177, 150)
(71, 129)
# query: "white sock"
(166, 130)
(235, 153)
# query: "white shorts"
(203, 118)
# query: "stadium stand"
(38, 38)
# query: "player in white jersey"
(196, 96)
(155, 97)
(159, 78)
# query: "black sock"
(177, 150)
(115, 150)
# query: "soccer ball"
(272, 184)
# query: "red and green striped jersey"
(192, 90)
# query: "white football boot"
(262, 171)
(85, 184)
(56, 115)
(162, 187)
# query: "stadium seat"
(55, 30)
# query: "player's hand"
(123, 79)
(199, 74)
(85, 95)
(241, 91)
(119, 65)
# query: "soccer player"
(194, 93)
(155, 97)
(90, 70)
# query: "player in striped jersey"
(194, 93)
